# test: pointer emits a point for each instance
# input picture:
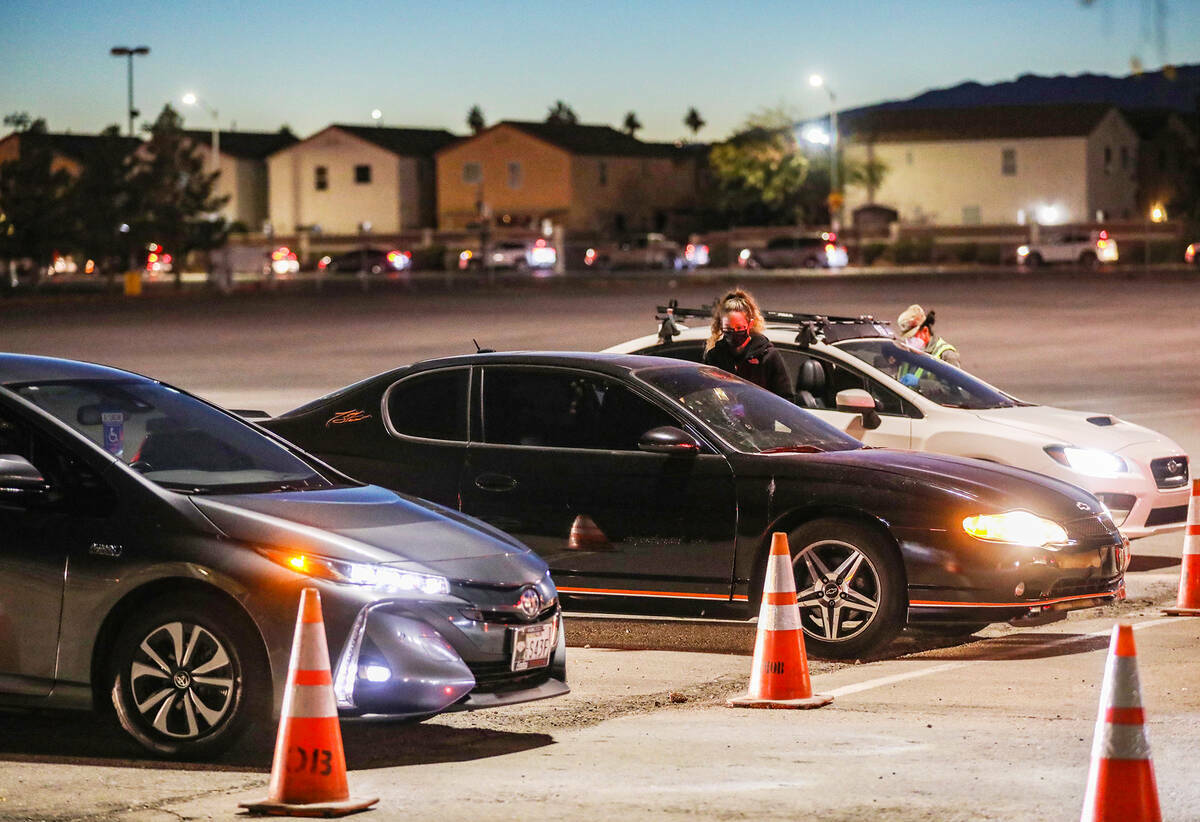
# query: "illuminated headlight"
(1022, 251)
(744, 254)
(1016, 527)
(1088, 461)
(381, 577)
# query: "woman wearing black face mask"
(737, 345)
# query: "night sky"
(305, 63)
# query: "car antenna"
(479, 350)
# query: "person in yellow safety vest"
(916, 331)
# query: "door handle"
(495, 482)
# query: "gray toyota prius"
(153, 548)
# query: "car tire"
(850, 587)
(158, 660)
(1089, 261)
(811, 262)
(1033, 260)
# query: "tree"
(694, 121)
(561, 114)
(475, 120)
(34, 208)
(173, 194)
(868, 173)
(101, 204)
(632, 124)
(760, 170)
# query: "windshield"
(931, 378)
(172, 438)
(749, 418)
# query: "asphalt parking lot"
(999, 727)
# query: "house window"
(1124, 157)
(514, 175)
(908, 158)
(320, 178)
(603, 173)
(1108, 159)
(971, 215)
(472, 173)
(362, 174)
(1008, 162)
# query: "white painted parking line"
(884, 681)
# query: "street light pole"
(191, 99)
(835, 214)
(129, 52)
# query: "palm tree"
(632, 124)
(561, 113)
(475, 119)
(694, 121)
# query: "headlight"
(382, 577)
(1088, 461)
(1016, 527)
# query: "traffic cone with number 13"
(308, 775)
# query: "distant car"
(651, 485)
(158, 261)
(1191, 254)
(367, 261)
(153, 548)
(282, 261)
(519, 255)
(645, 251)
(838, 365)
(813, 251)
(1090, 249)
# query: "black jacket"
(758, 362)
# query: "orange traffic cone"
(308, 775)
(1121, 781)
(586, 536)
(1189, 573)
(779, 678)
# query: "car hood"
(371, 524)
(991, 486)
(1059, 426)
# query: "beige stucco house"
(243, 167)
(582, 177)
(998, 164)
(345, 177)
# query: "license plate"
(532, 646)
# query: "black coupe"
(652, 485)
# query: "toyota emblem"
(1174, 467)
(530, 602)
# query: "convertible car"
(652, 485)
(153, 548)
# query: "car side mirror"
(858, 401)
(668, 439)
(18, 477)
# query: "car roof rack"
(812, 327)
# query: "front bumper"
(974, 581)
(396, 663)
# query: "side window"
(778, 243)
(432, 406)
(561, 409)
(74, 484)
(886, 402)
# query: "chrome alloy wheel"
(182, 680)
(837, 588)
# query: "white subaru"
(854, 373)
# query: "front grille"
(1100, 525)
(1075, 587)
(1170, 472)
(518, 618)
(1166, 516)
(494, 677)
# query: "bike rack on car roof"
(813, 327)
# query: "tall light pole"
(191, 99)
(835, 214)
(129, 52)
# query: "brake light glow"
(1103, 235)
(589, 256)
